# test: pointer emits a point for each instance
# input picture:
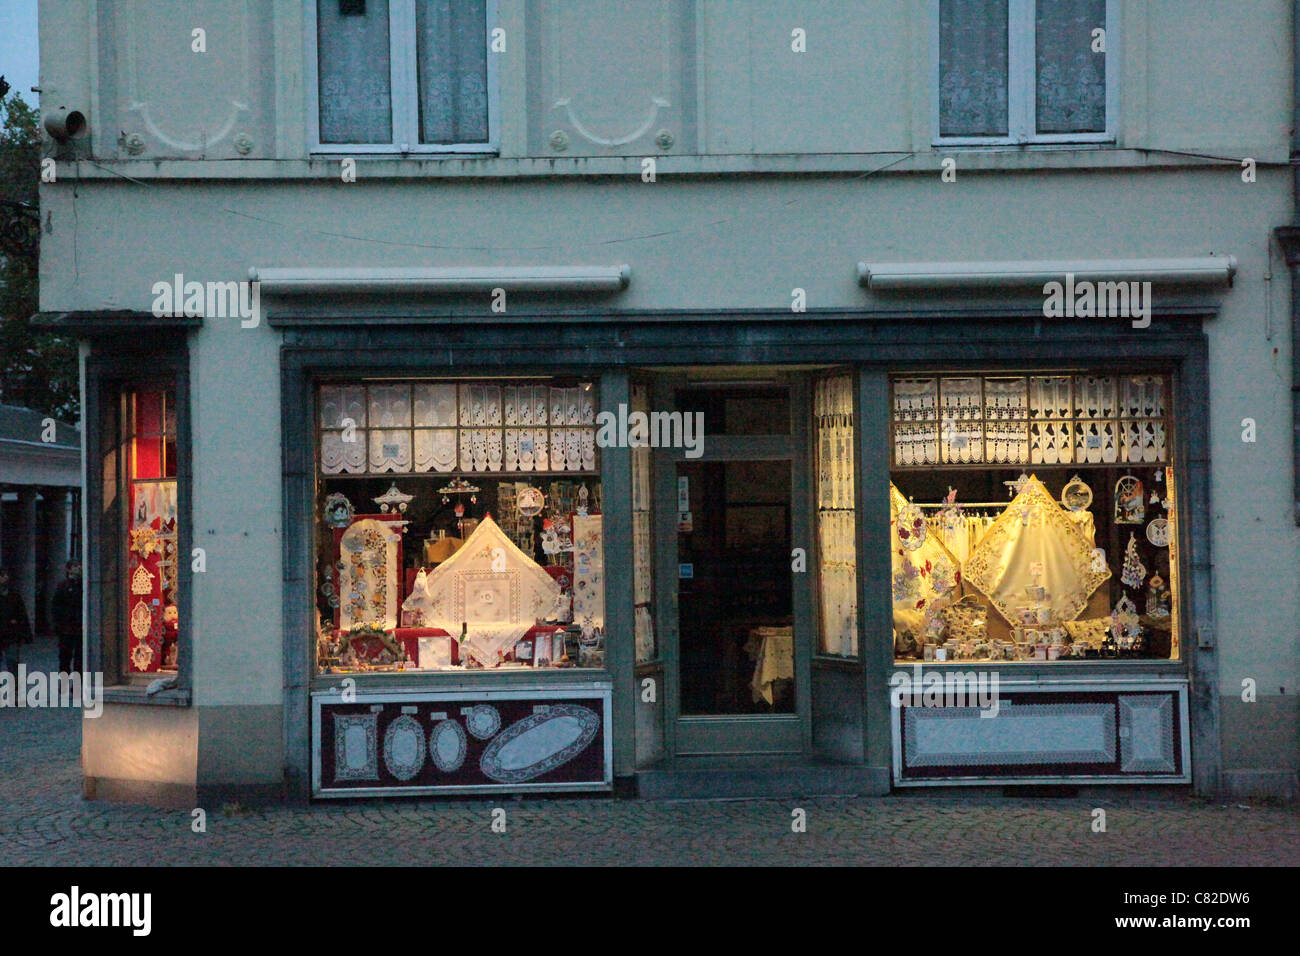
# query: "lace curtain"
(834, 439)
(353, 68)
(642, 539)
(1071, 85)
(452, 51)
(974, 63)
(973, 67)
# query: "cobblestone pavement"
(44, 821)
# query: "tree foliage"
(38, 368)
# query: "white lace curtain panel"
(453, 70)
(973, 67)
(1070, 79)
(1071, 84)
(356, 101)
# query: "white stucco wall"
(1196, 75)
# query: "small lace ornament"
(141, 581)
(144, 541)
(142, 657)
(1134, 571)
(141, 620)
(1124, 623)
(1076, 495)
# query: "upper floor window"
(408, 75)
(1024, 71)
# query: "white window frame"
(403, 76)
(1022, 75)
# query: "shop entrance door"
(735, 624)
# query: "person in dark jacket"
(14, 627)
(65, 609)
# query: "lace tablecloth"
(773, 651)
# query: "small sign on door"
(685, 525)
(686, 571)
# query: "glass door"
(735, 622)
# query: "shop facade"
(533, 474)
(750, 641)
(735, 581)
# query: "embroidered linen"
(1035, 530)
(588, 573)
(416, 606)
(492, 587)
(340, 457)
(340, 402)
(1087, 526)
(435, 406)
(963, 533)
(444, 427)
(368, 578)
(960, 533)
(341, 406)
(925, 579)
(487, 643)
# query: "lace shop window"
(146, 461)
(1034, 517)
(408, 75)
(837, 569)
(459, 526)
(642, 538)
(1018, 71)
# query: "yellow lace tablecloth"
(1035, 542)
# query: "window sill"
(476, 680)
(135, 694)
(380, 151)
(1062, 671)
(1086, 141)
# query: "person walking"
(15, 630)
(65, 609)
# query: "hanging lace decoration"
(1134, 571)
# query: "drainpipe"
(1288, 238)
